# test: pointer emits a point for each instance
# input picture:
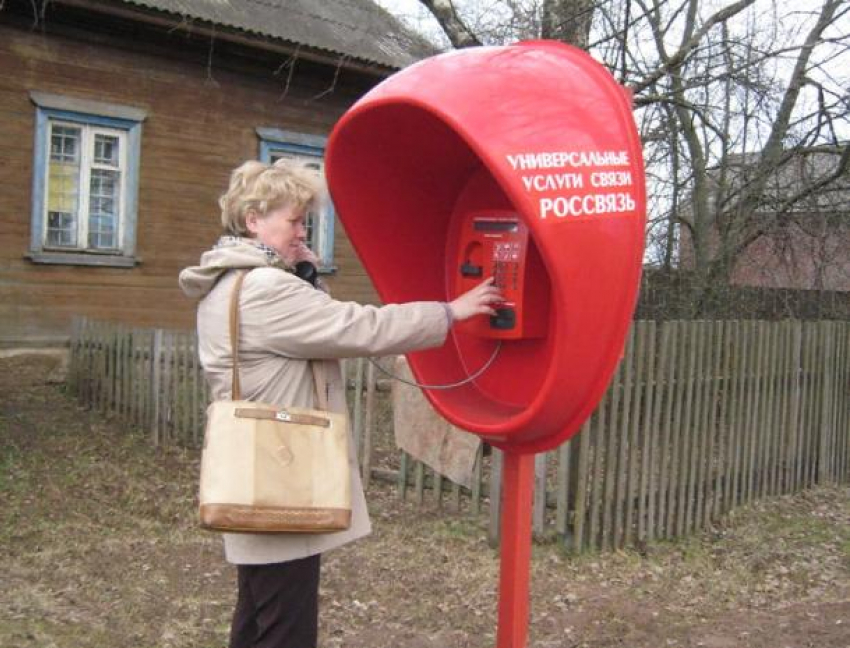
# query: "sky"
(797, 20)
(415, 15)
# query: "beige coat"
(285, 322)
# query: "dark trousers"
(278, 605)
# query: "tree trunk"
(568, 21)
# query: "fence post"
(609, 479)
(657, 453)
(156, 380)
(563, 492)
(807, 415)
(580, 514)
(437, 487)
(793, 424)
(72, 355)
(358, 403)
(622, 519)
(402, 475)
(477, 477)
(539, 502)
(111, 370)
(97, 365)
(636, 447)
(706, 448)
(674, 458)
(833, 405)
(751, 423)
(701, 457)
(196, 369)
(142, 349)
(690, 425)
(598, 476)
(419, 482)
(824, 454)
(775, 400)
(718, 418)
(368, 424)
(649, 437)
(456, 497)
(121, 374)
(495, 491)
(843, 403)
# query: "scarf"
(272, 257)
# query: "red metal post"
(518, 491)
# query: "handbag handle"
(235, 386)
(319, 381)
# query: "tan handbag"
(269, 469)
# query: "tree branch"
(679, 57)
(805, 192)
(457, 31)
(798, 76)
(773, 148)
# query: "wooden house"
(121, 120)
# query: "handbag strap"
(321, 384)
(319, 380)
(236, 387)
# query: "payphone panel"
(495, 244)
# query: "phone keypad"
(506, 275)
(506, 264)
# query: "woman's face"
(282, 229)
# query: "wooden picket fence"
(701, 417)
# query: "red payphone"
(442, 179)
(419, 157)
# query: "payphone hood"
(537, 131)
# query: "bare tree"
(731, 97)
(738, 115)
(568, 21)
(446, 14)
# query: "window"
(81, 156)
(308, 150)
(85, 182)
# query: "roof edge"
(203, 27)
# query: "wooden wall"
(203, 102)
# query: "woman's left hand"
(481, 300)
(304, 253)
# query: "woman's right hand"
(478, 301)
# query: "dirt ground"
(100, 548)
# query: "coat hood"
(230, 253)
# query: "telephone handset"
(496, 243)
(308, 272)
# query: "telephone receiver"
(307, 271)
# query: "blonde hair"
(263, 187)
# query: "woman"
(284, 323)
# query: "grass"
(100, 547)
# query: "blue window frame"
(85, 182)
(308, 150)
